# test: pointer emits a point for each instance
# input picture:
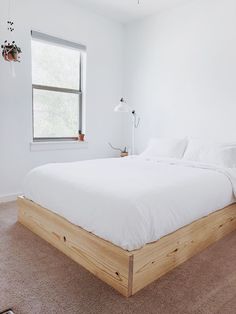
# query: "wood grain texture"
(127, 272)
(156, 259)
(105, 260)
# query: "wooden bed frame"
(127, 272)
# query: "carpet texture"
(35, 278)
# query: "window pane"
(54, 65)
(56, 114)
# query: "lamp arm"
(136, 119)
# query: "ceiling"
(127, 10)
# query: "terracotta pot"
(81, 137)
(11, 57)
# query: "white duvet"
(131, 201)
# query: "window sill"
(59, 145)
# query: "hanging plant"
(10, 52)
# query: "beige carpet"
(36, 278)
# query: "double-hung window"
(57, 87)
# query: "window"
(57, 86)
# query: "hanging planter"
(11, 52)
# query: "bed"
(130, 220)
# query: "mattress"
(131, 201)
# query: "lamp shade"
(122, 106)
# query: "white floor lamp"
(125, 108)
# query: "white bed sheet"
(131, 201)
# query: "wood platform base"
(127, 272)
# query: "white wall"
(104, 41)
(180, 71)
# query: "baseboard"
(9, 198)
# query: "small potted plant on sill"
(80, 136)
(10, 51)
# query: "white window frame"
(80, 91)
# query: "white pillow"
(195, 148)
(165, 148)
(223, 154)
